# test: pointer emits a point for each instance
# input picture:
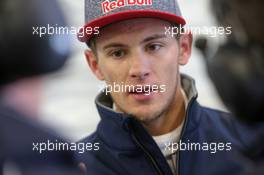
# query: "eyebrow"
(114, 45)
(153, 37)
(147, 39)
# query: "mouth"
(141, 93)
(140, 89)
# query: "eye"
(153, 47)
(117, 53)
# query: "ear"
(185, 45)
(93, 64)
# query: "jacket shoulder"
(91, 138)
(225, 126)
(215, 115)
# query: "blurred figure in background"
(237, 69)
(24, 57)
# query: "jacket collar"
(115, 124)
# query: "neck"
(170, 119)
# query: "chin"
(146, 114)
(145, 111)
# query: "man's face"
(137, 53)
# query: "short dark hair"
(92, 44)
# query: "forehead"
(138, 25)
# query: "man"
(151, 122)
(24, 58)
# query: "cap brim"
(109, 19)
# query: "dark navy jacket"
(17, 135)
(126, 148)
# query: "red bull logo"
(108, 6)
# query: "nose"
(139, 66)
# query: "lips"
(140, 90)
(141, 93)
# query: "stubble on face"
(147, 117)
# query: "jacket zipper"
(153, 161)
(184, 128)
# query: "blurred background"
(68, 95)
